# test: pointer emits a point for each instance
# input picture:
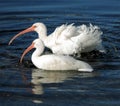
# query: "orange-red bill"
(26, 51)
(30, 29)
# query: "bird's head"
(37, 43)
(38, 27)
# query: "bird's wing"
(84, 38)
(89, 37)
(65, 32)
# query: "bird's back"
(83, 38)
(60, 62)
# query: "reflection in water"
(40, 77)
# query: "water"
(26, 85)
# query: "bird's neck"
(37, 52)
(42, 34)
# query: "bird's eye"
(35, 26)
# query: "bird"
(54, 61)
(68, 39)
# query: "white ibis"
(54, 61)
(68, 39)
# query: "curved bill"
(26, 51)
(30, 29)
